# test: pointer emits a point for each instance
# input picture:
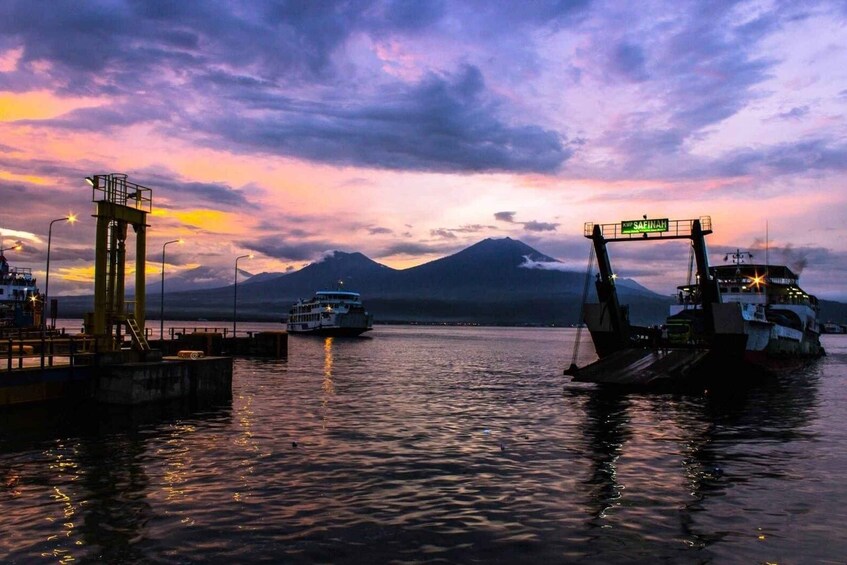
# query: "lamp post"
(16, 246)
(70, 218)
(235, 295)
(162, 296)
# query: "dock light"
(70, 218)
(235, 296)
(90, 180)
(162, 296)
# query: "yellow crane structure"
(118, 205)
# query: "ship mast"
(738, 257)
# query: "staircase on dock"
(138, 339)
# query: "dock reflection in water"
(441, 445)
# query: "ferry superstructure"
(780, 320)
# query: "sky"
(410, 130)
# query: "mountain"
(192, 279)
(495, 281)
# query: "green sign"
(644, 226)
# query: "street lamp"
(235, 293)
(162, 296)
(70, 218)
(16, 246)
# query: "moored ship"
(735, 316)
(20, 304)
(330, 313)
(779, 319)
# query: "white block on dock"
(189, 354)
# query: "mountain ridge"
(493, 282)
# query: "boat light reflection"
(328, 386)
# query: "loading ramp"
(642, 367)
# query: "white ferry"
(20, 305)
(330, 312)
(779, 320)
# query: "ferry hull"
(330, 332)
(737, 351)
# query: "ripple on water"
(434, 445)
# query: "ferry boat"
(779, 320)
(330, 313)
(20, 304)
(733, 318)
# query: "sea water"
(416, 444)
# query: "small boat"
(330, 313)
(20, 299)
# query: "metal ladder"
(138, 339)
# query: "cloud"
(791, 158)
(444, 123)
(796, 113)
(539, 226)
(628, 59)
(377, 230)
(530, 226)
(442, 233)
(450, 233)
(412, 249)
(543, 265)
(187, 71)
(690, 76)
(299, 251)
(219, 194)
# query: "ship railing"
(177, 332)
(676, 229)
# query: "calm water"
(435, 445)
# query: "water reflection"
(606, 431)
(115, 499)
(675, 458)
(90, 462)
(328, 387)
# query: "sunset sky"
(410, 130)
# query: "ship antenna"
(767, 262)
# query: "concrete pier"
(171, 378)
(67, 368)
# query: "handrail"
(47, 350)
(676, 229)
